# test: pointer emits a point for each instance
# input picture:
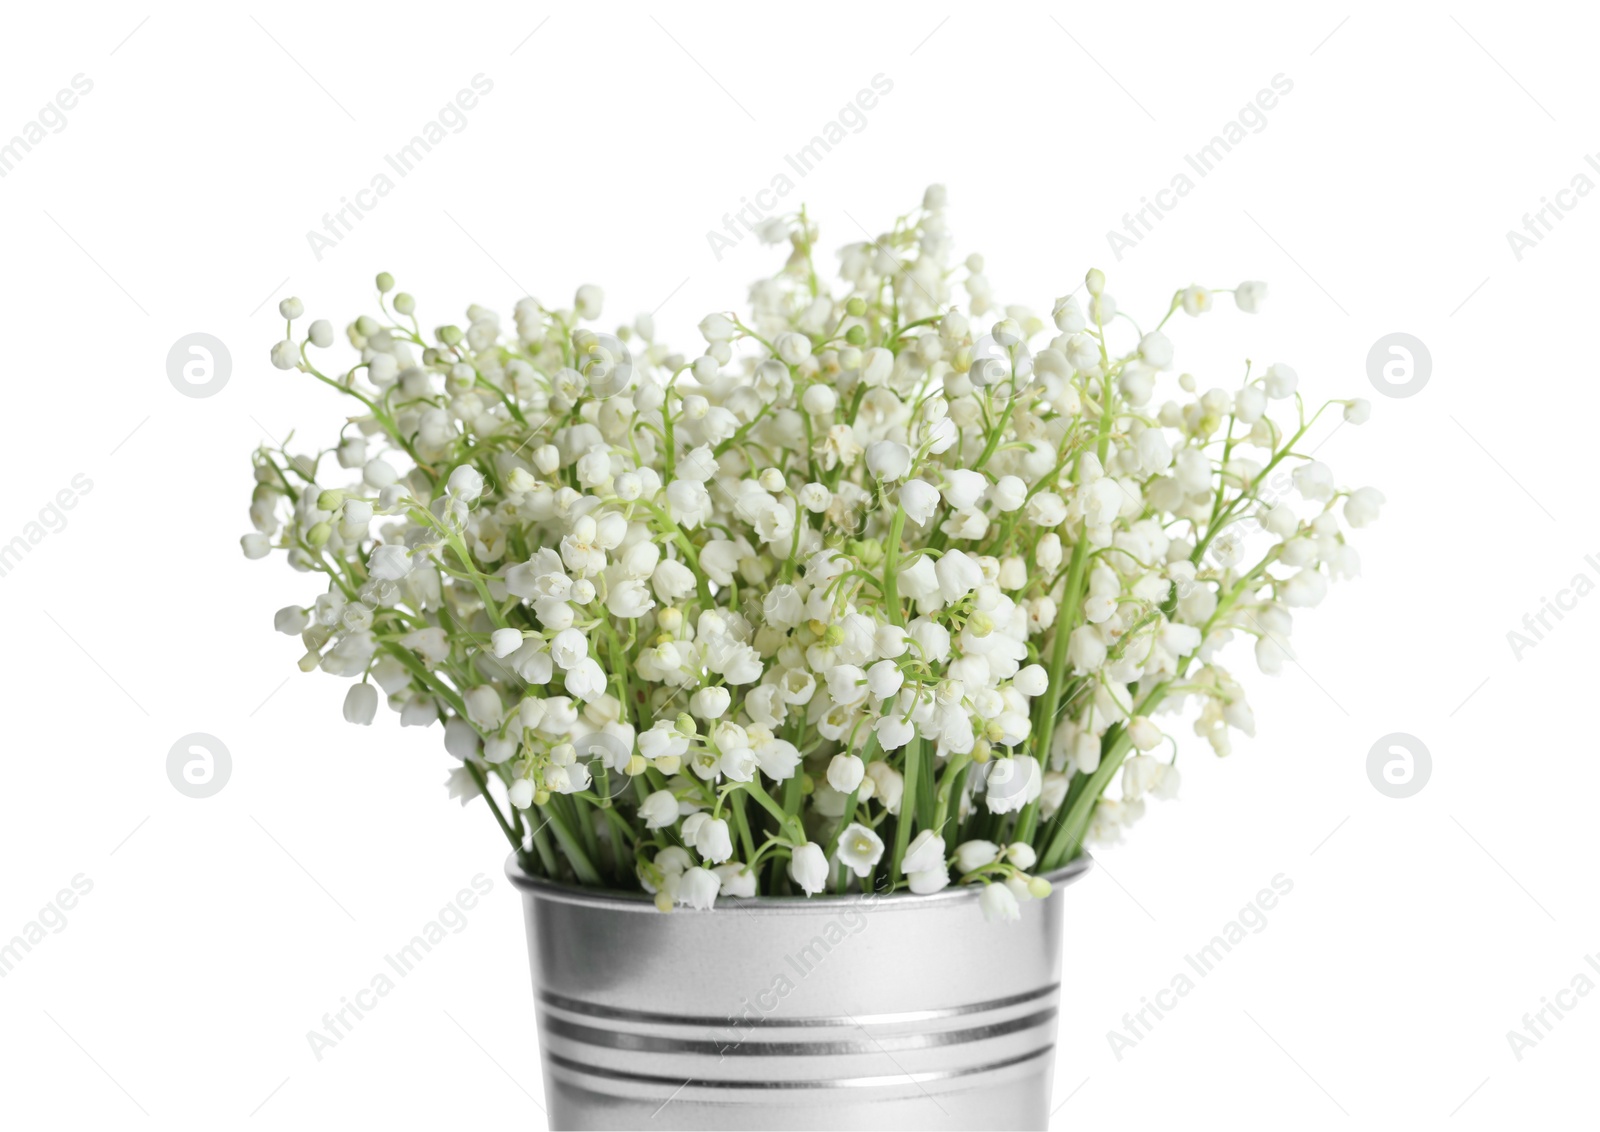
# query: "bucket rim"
(619, 901)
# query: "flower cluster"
(879, 592)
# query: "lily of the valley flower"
(859, 849)
(888, 566)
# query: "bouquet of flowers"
(879, 592)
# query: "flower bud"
(1281, 381)
(1022, 855)
(587, 302)
(819, 399)
(291, 619)
(466, 482)
(888, 460)
(360, 704)
(845, 772)
(504, 642)
(792, 348)
(710, 703)
(808, 867)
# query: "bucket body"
(777, 1012)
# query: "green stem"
(1073, 823)
(742, 824)
(785, 821)
(483, 787)
(570, 846)
(908, 799)
(891, 558)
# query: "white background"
(1377, 199)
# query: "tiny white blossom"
(808, 867)
(889, 460)
(361, 704)
(1281, 382)
(925, 853)
(1361, 506)
(860, 849)
(845, 773)
(882, 528)
(698, 888)
(999, 903)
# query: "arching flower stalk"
(880, 591)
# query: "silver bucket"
(786, 1012)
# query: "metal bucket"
(781, 1012)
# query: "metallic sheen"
(784, 1012)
